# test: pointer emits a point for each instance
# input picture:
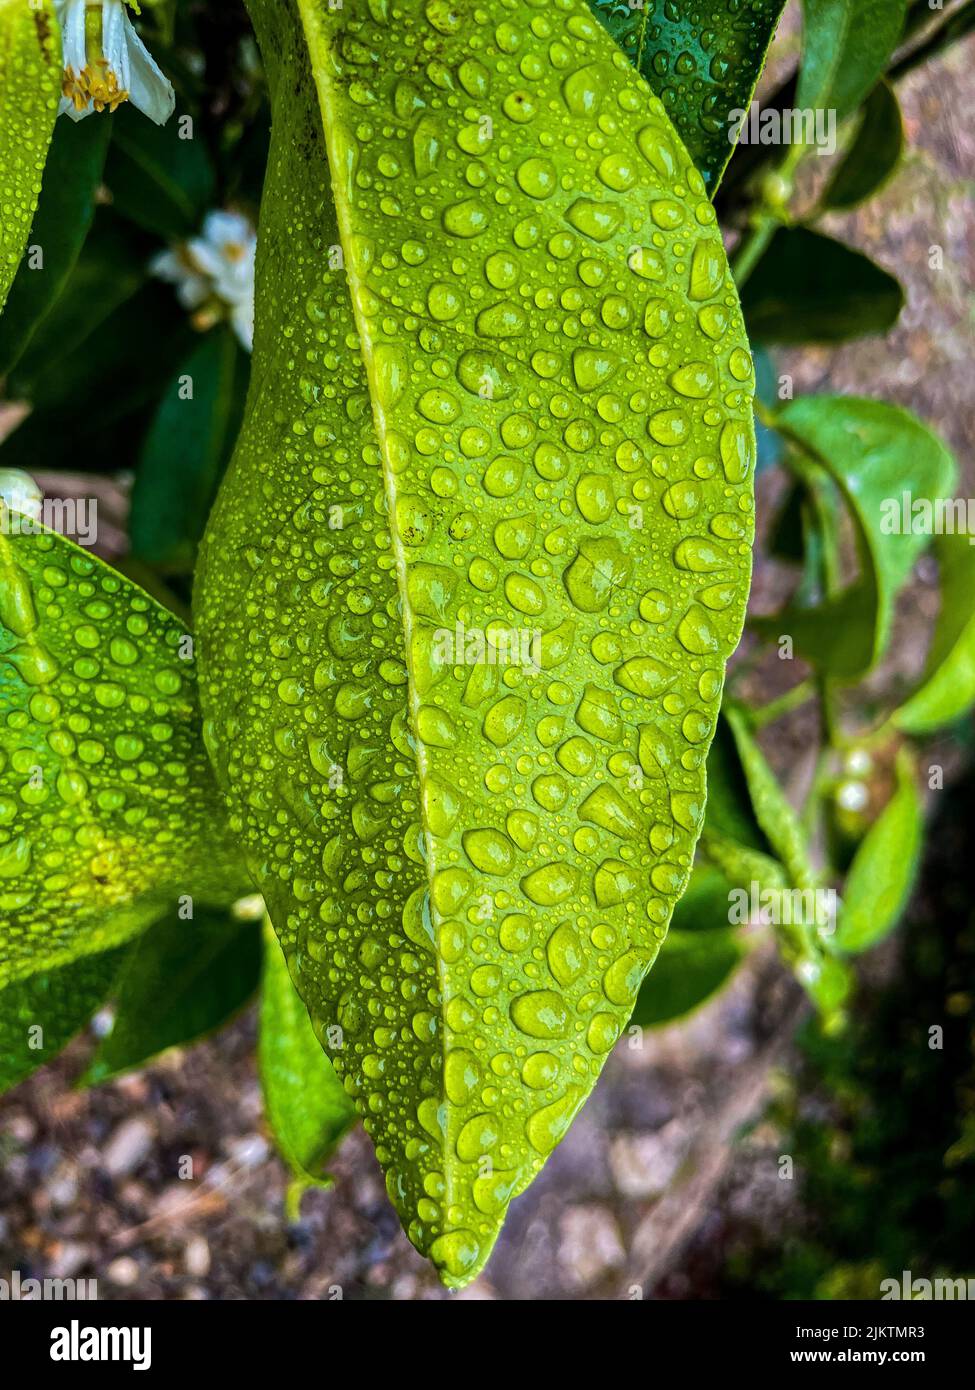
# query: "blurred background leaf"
(873, 451)
(186, 451)
(873, 154)
(810, 288)
(306, 1104)
(40, 1015)
(846, 46)
(183, 979)
(947, 688)
(884, 868)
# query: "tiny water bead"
(472, 800)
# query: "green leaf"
(769, 444)
(108, 813)
(40, 1016)
(691, 968)
(845, 48)
(30, 89)
(703, 61)
(158, 179)
(874, 452)
(186, 450)
(466, 859)
(121, 367)
(109, 270)
(306, 1105)
(884, 868)
(947, 689)
(699, 956)
(64, 214)
(874, 154)
(802, 940)
(773, 811)
(809, 288)
(183, 980)
(730, 812)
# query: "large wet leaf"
(702, 60)
(30, 89)
(470, 849)
(108, 812)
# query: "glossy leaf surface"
(702, 60)
(108, 812)
(30, 88)
(470, 856)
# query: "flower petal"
(149, 89)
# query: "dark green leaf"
(702, 60)
(772, 810)
(183, 979)
(40, 1015)
(108, 272)
(874, 452)
(158, 180)
(884, 868)
(64, 213)
(809, 288)
(802, 938)
(691, 967)
(845, 48)
(768, 442)
(947, 689)
(306, 1104)
(729, 811)
(874, 154)
(186, 450)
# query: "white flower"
(106, 63)
(20, 493)
(214, 273)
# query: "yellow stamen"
(96, 83)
